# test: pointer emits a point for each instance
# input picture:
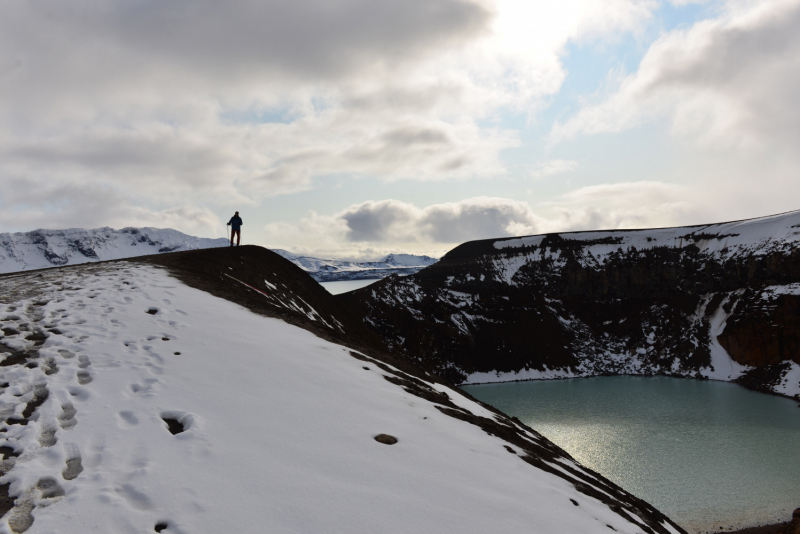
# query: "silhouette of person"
(236, 228)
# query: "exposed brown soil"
(778, 528)
(17, 356)
(6, 502)
(789, 527)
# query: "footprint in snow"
(74, 462)
(49, 365)
(67, 418)
(49, 487)
(153, 368)
(84, 377)
(20, 518)
(135, 498)
(84, 361)
(127, 419)
(48, 437)
(80, 394)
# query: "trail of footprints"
(25, 331)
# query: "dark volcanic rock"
(764, 331)
(592, 303)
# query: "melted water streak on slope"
(535, 450)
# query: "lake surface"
(343, 286)
(707, 454)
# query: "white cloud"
(169, 103)
(554, 166)
(50, 206)
(369, 229)
(726, 82)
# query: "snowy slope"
(408, 260)
(726, 240)
(332, 270)
(278, 426)
(52, 248)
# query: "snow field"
(757, 236)
(279, 427)
(48, 248)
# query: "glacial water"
(343, 286)
(708, 454)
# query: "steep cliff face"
(714, 301)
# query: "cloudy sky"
(352, 128)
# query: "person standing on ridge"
(236, 228)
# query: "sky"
(355, 128)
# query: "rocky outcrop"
(763, 331)
(711, 301)
(794, 526)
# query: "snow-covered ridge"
(753, 236)
(54, 248)
(125, 392)
(323, 270)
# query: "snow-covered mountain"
(333, 270)
(53, 248)
(172, 394)
(718, 301)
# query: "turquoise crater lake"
(708, 454)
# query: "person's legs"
(238, 237)
(232, 232)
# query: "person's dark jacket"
(235, 222)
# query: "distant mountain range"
(335, 270)
(41, 249)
